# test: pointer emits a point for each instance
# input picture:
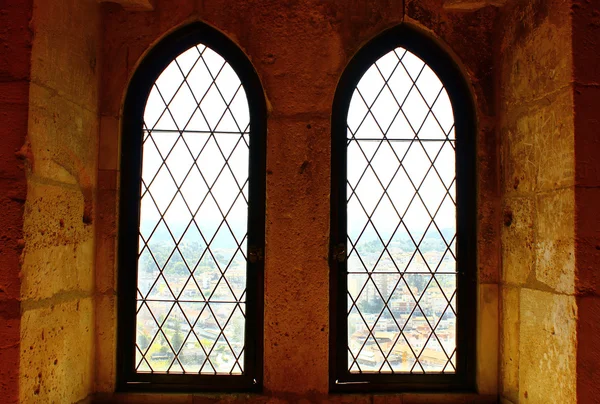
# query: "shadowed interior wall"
(533, 67)
(538, 341)
(299, 49)
(15, 62)
(586, 96)
(57, 325)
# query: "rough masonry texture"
(57, 274)
(533, 69)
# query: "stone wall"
(299, 49)
(538, 340)
(586, 96)
(57, 304)
(15, 66)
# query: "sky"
(385, 85)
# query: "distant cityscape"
(389, 339)
(214, 306)
(380, 339)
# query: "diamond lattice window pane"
(401, 213)
(193, 219)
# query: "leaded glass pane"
(193, 219)
(401, 213)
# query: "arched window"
(403, 220)
(191, 230)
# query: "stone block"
(509, 344)
(471, 5)
(538, 151)
(519, 168)
(143, 398)
(537, 49)
(586, 46)
(12, 196)
(106, 232)
(59, 246)
(65, 49)
(548, 344)
(14, 154)
(134, 5)
(63, 138)
(445, 398)
(588, 349)
(106, 343)
(15, 37)
(288, 54)
(109, 144)
(296, 316)
(587, 141)
(552, 127)
(9, 374)
(487, 340)
(517, 240)
(57, 342)
(555, 243)
(488, 240)
(587, 257)
(587, 213)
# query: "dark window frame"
(450, 74)
(138, 91)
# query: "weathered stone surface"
(539, 44)
(538, 154)
(509, 343)
(106, 232)
(518, 257)
(109, 144)
(296, 317)
(56, 360)
(63, 139)
(64, 54)
(548, 343)
(134, 5)
(471, 5)
(555, 243)
(59, 251)
(519, 169)
(588, 349)
(106, 347)
(586, 45)
(552, 126)
(57, 328)
(587, 141)
(15, 69)
(487, 339)
(536, 108)
(447, 398)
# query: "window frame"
(453, 79)
(150, 68)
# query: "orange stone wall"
(57, 273)
(586, 97)
(15, 67)
(533, 67)
(299, 49)
(539, 311)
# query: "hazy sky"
(399, 125)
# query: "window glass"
(191, 283)
(401, 220)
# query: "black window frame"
(153, 64)
(453, 79)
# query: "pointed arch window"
(403, 220)
(191, 229)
